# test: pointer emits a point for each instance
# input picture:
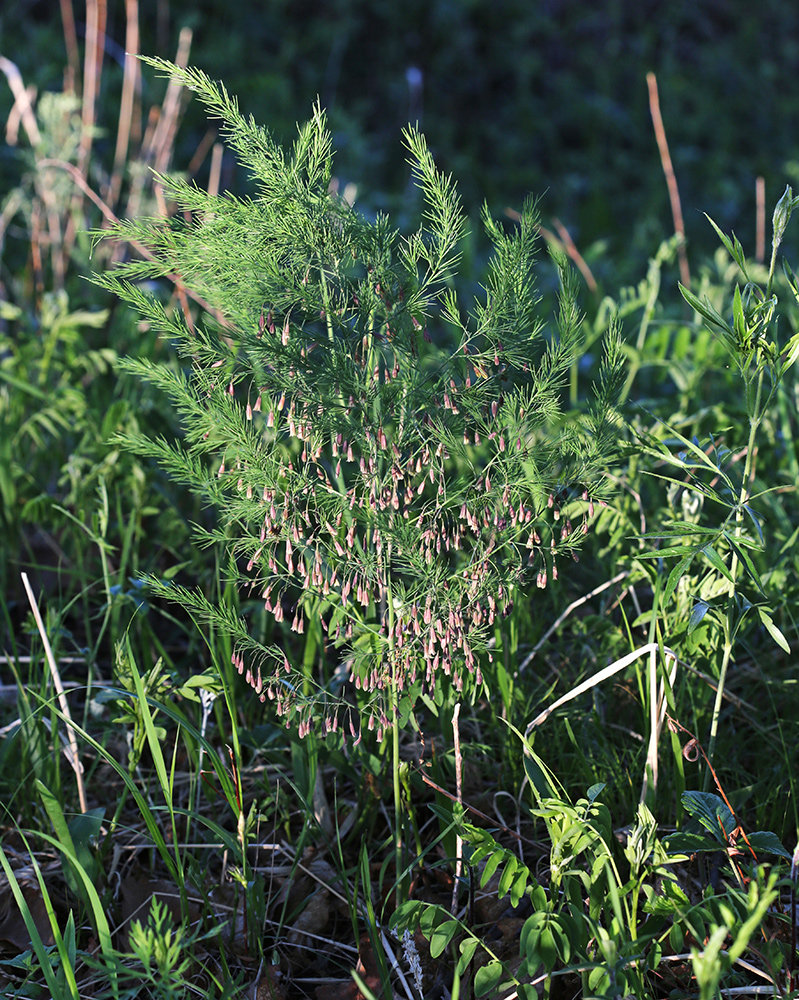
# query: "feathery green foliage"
(341, 439)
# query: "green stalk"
(395, 755)
(729, 627)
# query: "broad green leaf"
(441, 937)
(769, 843)
(712, 812)
(716, 561)
(487, 978)
(467, 949)
(698, 612)
(677, 574)
(746, 560)
(773, 631)
(407, 914)
(689, 843)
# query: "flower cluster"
(433, 506)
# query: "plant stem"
(395, 757)
(729, 628)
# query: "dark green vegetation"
(479, 764)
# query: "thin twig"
(691, 751)
(575, 254)
(112, 218)
(164, 135)
(565, 245)
(760, 219)
(456, 738)
(575, 604)
(71, 43)
(130, 83)
(201, 151)
(22, 104)
(671, 179)
(92, 71)
(216, 170)
(62, 698)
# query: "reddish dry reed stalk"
(760, 219)
(671, 179)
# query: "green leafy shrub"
(393, 486)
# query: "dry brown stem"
(760, 219)
(22, 108)
(668, 171)
(131, 83)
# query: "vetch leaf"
(507, 877)
(698, 612)
(441, 937)
(519, 886)
(487, 978)
(491, 865)
(716, 561)
(677, 574)
(671, 550)
(773, 631)
(746, 559)
(467, 949)
(705, 310)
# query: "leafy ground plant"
(762, 361)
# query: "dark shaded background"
(547, 96)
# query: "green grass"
(219, 852)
